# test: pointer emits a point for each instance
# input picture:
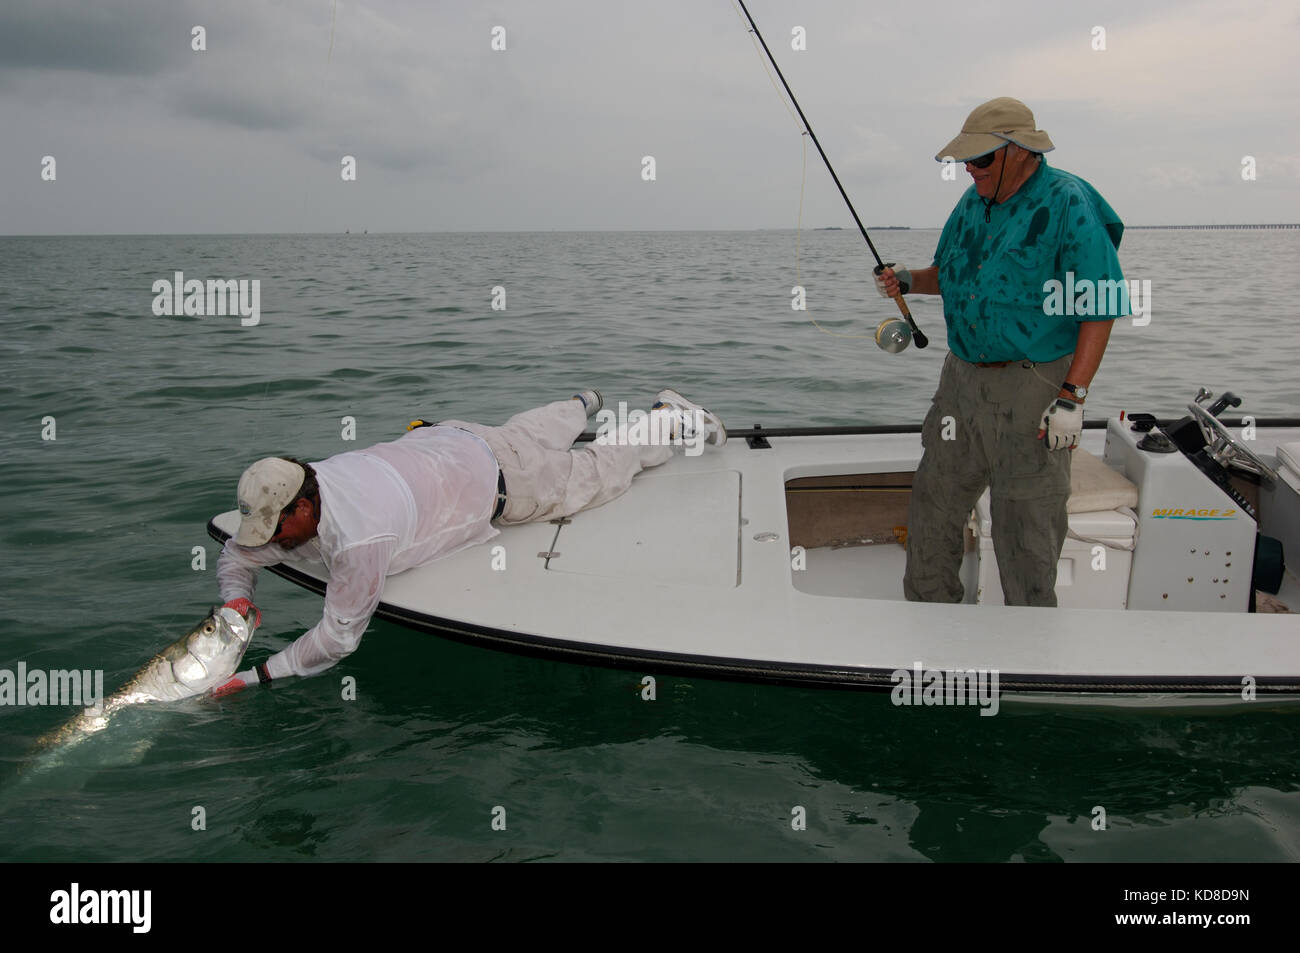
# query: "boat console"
(1196, 534)
(1210, 510)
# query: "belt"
(1024, 363)
(501, 495)
(501, 477)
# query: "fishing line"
(803, 180)
(333, 10)
(1034, 368)
(909, 332)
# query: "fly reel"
(893, 335)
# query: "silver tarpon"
(200, 660)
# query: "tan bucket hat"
(992, 125)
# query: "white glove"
(1061, 425)
(902, 274)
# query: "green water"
(155, 417)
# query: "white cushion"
(1095, 486)
(1288, 455)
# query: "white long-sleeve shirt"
(384, 509)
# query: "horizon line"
(538, 231)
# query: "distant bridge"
(1293, 225)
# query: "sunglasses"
(279, 524)
(986, 160)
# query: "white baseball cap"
(264, 490)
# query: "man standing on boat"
(367, 514)
(1009, 406)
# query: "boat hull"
(693, 573)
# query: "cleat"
(715, 431)
(591, 400)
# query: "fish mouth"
(243, 633)
(253, 617)
(241, 629)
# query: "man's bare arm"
(1088, 352)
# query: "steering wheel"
(1224, 450)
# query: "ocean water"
(155, 417)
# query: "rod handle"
(920, 339)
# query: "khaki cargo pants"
(994, 418)
(545, 478)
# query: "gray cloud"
(115, 39)
(238, 108)
(448, 133)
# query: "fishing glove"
(1061, 425)
(242, 606)
(902, 274)
(238, 682)
(241, 680)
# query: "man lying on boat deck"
(1010, 397)
(367, 514)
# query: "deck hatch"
(673, 528)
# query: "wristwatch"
(1079, 392)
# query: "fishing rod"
(889, 335)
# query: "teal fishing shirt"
(1015, 287)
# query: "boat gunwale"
(1099, 423)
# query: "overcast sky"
(150, 136)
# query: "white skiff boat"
(778, 559)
